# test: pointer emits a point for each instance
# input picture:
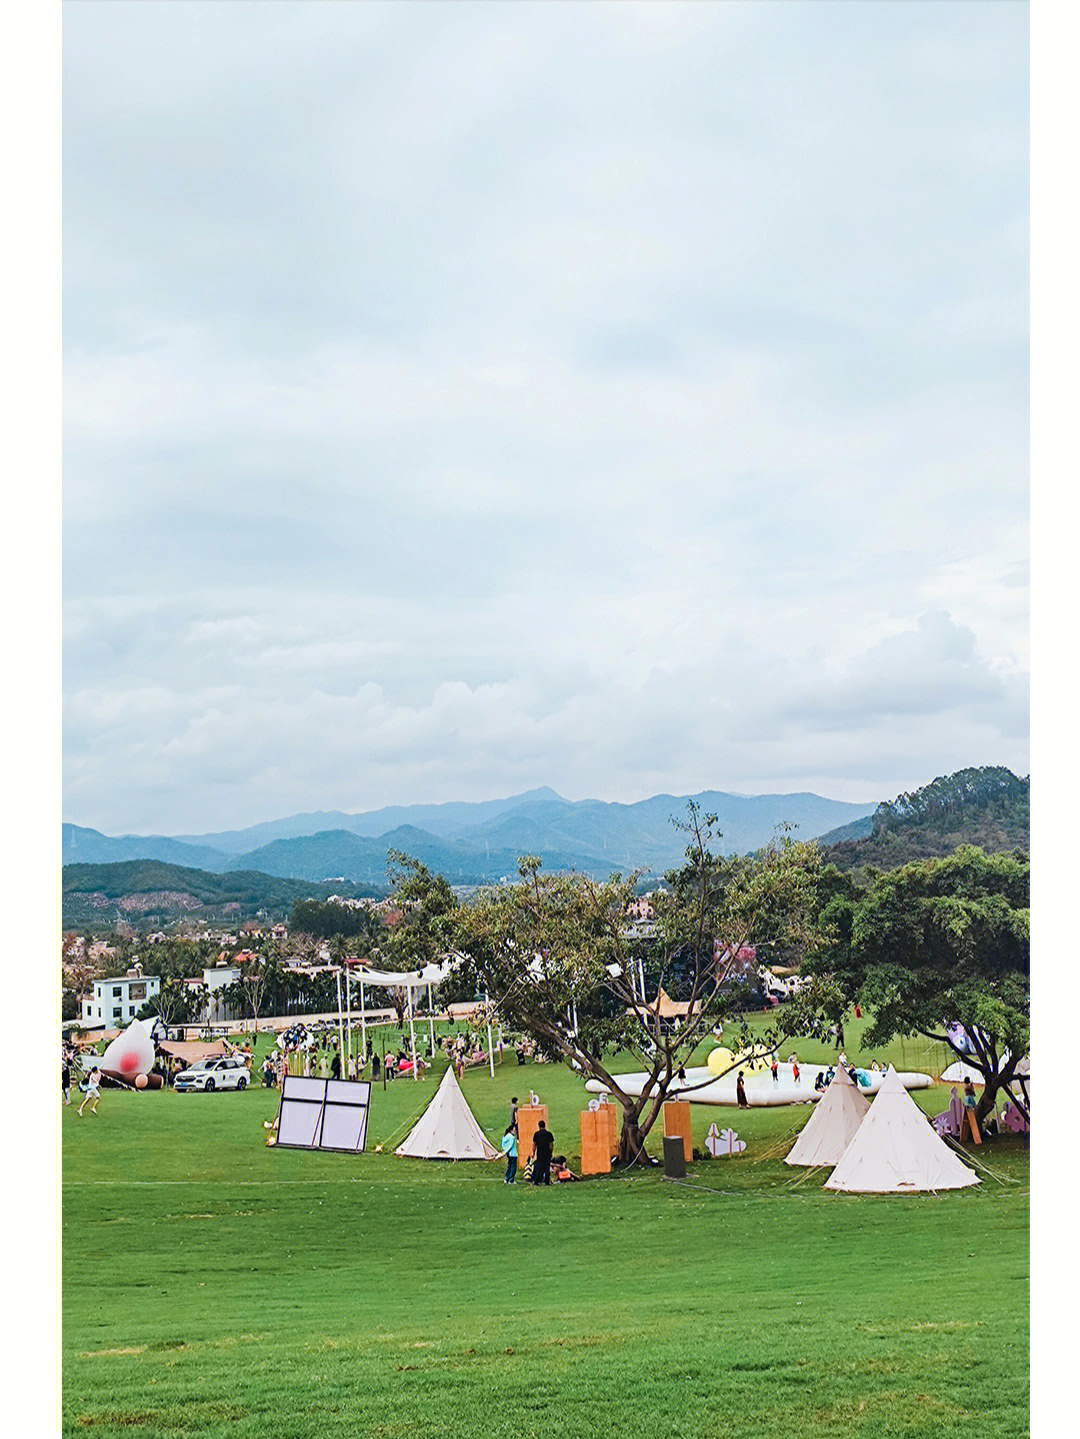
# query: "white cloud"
(616, 397)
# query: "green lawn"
(216, 1287)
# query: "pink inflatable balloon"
(130, 1053)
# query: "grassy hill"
(987, 807)
(151, 892)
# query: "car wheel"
(241, 1083)
(209, 1084)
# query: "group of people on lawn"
(543, 1145)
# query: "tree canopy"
(936, 943)
(568, 960)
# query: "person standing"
(92, 1093)
(65, 1077)
(970, 1103)
(513, 1112)
(740, 1092)
(775, 1071)
(509, 1146)
(543, 1145)
(795, 1070)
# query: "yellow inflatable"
(720, 1060)
(755, 1060)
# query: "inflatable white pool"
(702, 1087)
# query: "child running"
(92, 1092)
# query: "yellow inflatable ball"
(758, 1059)
(720, 1060)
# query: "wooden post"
(969, 1117)
(528, 1121)
(608, 1110)
(677, 1122)
(595, 1149)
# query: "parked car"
(227, 1072)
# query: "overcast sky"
(461, 398)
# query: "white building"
(115, 1002)
(215, 979)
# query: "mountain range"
(474, 843)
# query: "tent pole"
(363, 1026)
(412, 1031)
(348, 1024)
(431, 1022)
(340, 1030)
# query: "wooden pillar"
(611, 1120)
(677, 1122)
(595, 1141)
(528, 1121)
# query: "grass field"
(216, 1287)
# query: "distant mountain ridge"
(473, 843)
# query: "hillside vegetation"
(151, 892)
(987, 807)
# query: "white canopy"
(896, 1151)
(408, 979)
(832, 1125)
(447, 1129)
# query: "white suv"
(228, 1072)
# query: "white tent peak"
(447, 1129)
(896, 1151)
(833, 1124)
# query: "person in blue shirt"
(509, 1146)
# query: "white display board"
(323, 1114)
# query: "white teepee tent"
(895, 1150)
(832, 1126)
(447, 1128)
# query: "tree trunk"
(631, 1140)
(987, 1101)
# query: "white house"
(115, 1002)
(215, 979)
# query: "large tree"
(420, 929)
(564, 960)
(938, 943)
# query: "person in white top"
(93, 1092)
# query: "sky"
(624, 397)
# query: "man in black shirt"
(543, 1144)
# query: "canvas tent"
(895, 1150)
(447, 1128)
(832, 1126)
